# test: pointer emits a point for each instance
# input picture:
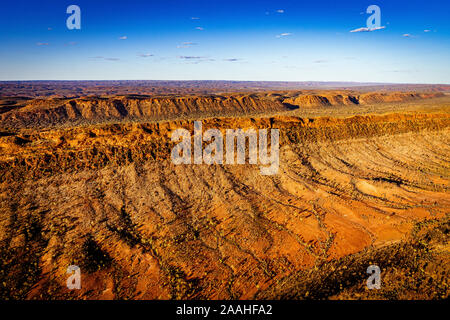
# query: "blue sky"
(226, 40)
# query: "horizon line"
(267, 81)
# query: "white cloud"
(103, 58)
(186, 45)
(286, 34)
(123, 38)
(377, 28)
(365, 29)
(199, 28)
(195, 59)
(426, 30)
(280, 11)
(402, 71)
(190, 57)
(232, 59)
(195, 18)
(360, 30)
(145, 55)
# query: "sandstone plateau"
(363, 179)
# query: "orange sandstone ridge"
(47, 112)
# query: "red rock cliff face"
(41, 112)
(119, 108)
(317, 100)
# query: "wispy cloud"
(187, 45)
(285, 34)
(104, 58)
(401, 71)
(42, 44)
(279, 11)
(195, 18)
(190, 57)
(232, 59)
(200, 28)
(123, 38)
(365, 29)
(320, 61)
(426, 30)
(360, 30)
(145, 55)
(195, 59)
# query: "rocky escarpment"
(53, 112)
(50, 112)
(31, 154)
(333, 99)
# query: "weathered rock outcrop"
(53, 112)
(317, 100)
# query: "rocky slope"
(107, 197)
